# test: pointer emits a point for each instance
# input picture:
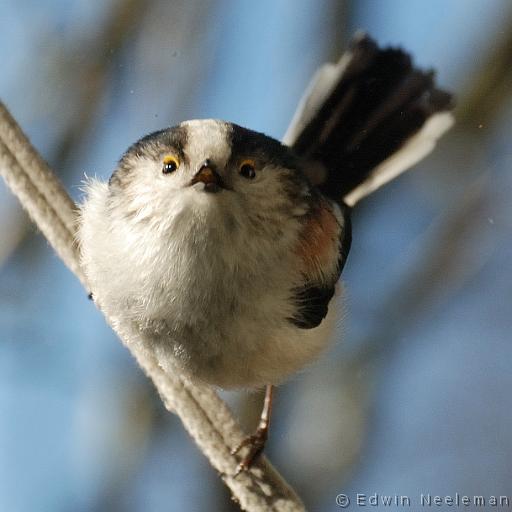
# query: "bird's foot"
(256, 444)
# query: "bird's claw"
(257, 444)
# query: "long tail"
(367, 119)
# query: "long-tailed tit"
(222, 247)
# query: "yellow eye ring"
(170, 164)
(247, 169)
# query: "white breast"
(203, 295)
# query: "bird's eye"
(170, 164)
(247, 169)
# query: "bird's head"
(213, 169)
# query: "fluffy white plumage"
(205, 278)
(214, 282)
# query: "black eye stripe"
(259, 147)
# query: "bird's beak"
(209, 176)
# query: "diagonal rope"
(36, 169)
(204, 415)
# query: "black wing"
(312, 299)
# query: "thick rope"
(41, 175)
(205, 416)
(42, 211)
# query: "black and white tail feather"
(366, 119)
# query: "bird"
(222, 248)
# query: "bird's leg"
(258, 439)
